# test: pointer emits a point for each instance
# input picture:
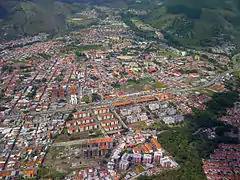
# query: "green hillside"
(21, 18)
(195, 23)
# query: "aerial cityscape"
(111, 97)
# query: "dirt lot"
(134, 86)
(138, 125)
(65, 159)
(76, 136)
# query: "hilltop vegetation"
(23, 18)
(195, 23)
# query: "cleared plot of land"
(47, 173)
(138, 125)
(81, 22)
(64, 159)
(134, 86)
(70, 143)
(78, 136)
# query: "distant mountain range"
(187, 22)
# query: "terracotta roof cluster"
(112, 121)
(79, 121)
(87, 125)
(80, 113)
(137, 150)
(100, 140)
(145, 99)
(101, 109)
(105, 114)
(156, 143)
(75, 128)
(233, 116)
(223, 163)
(122, 103)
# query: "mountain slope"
(198, 23)
(21, 18)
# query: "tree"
(86, 99)
(96, 97)
(221, 130)
(44, 80)
(7, 69)
(80, 54)
(115, 85)
(70, 117)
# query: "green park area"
(136, 21)
(133, 85)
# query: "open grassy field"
(75, 136)
(134, 86)
(138, 125)
(136, 21)
(237, 74)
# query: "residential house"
(105, 116)
(81, 114)
(101, 110)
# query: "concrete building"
(142, 117)
(124, 164)
(125, 112)
(147, 158)
(137, 158)
(153, 106)
(166, 162)
(74, 99)
(157, 156)
(136, 109)
(131, 119)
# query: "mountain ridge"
(189, 23)
(24, 18)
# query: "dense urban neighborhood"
(96, 102)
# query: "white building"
(147, 158)
(153, 106)
(124, 164)
(74, 99)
